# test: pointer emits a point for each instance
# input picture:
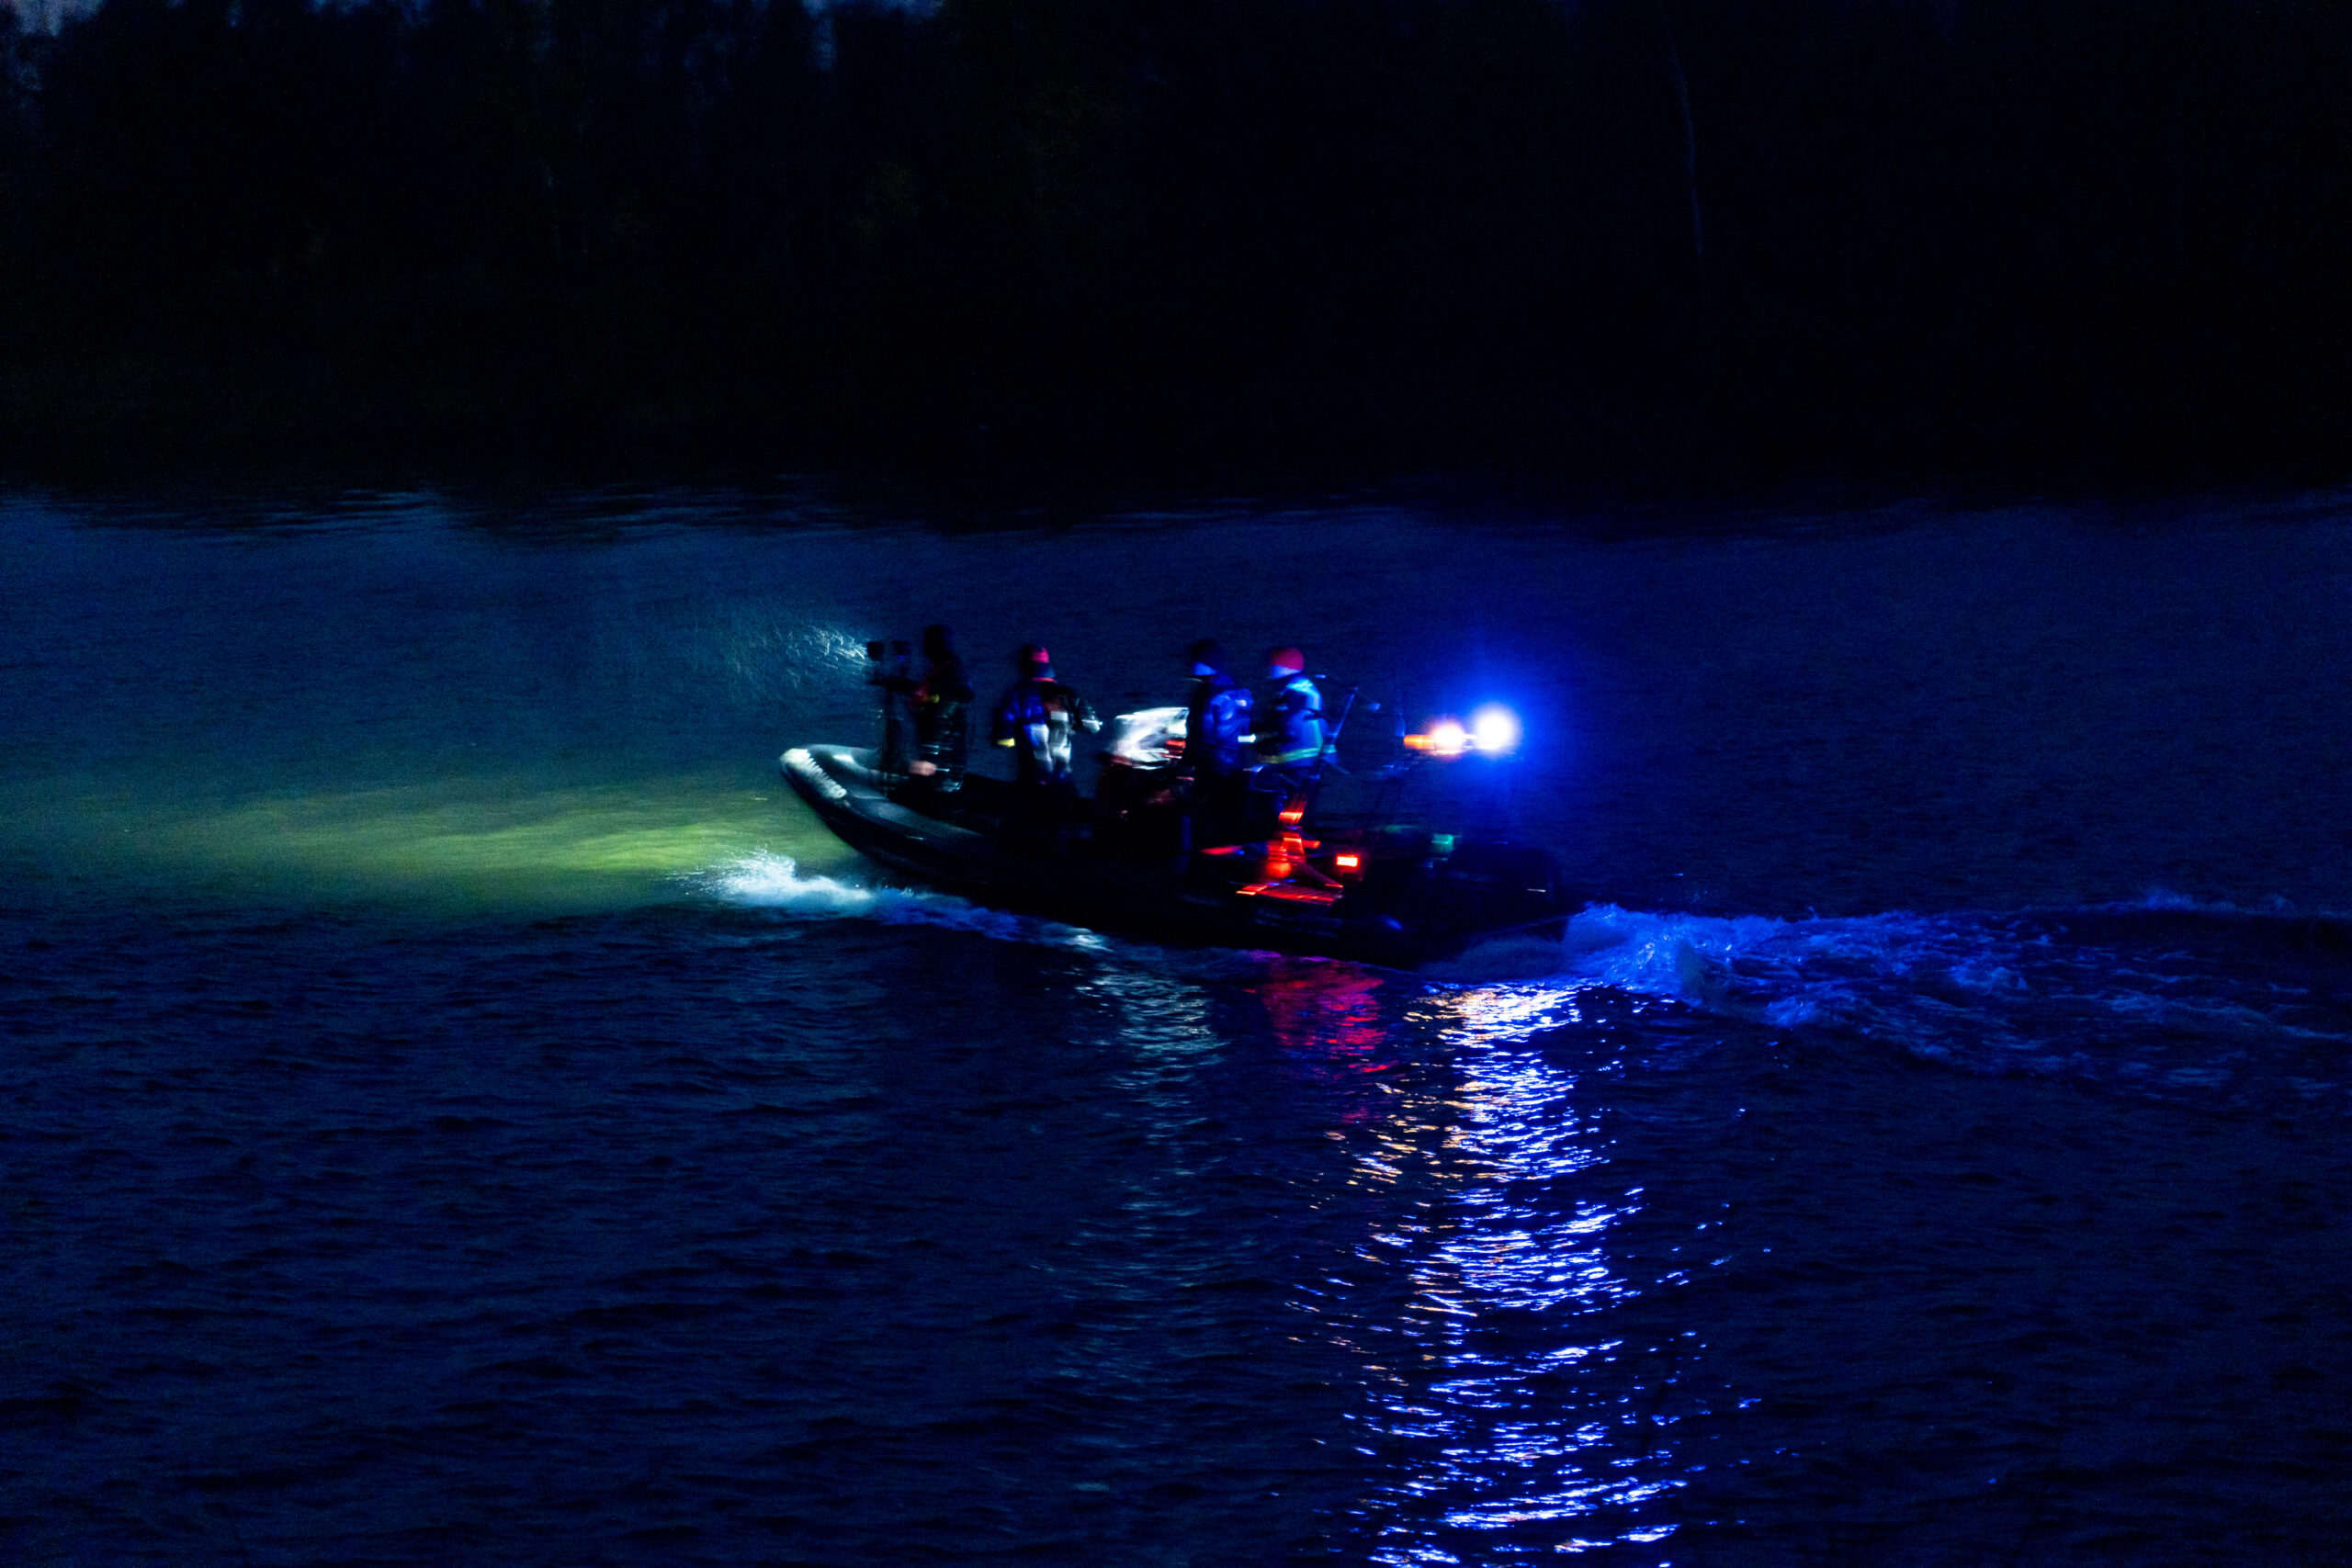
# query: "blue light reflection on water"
(1477, 1395)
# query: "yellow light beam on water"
(479, 842)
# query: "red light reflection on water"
(1326, 1017)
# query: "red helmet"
(1285, 661)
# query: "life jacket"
(1035, 720)
(1219, 719)
(939, 702)
(1295, 736)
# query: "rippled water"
(460, 1109)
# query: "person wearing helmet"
(1034, 720)
(1216, 730)
(1290, 745)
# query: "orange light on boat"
(1493, 731)
(1446, 737)
(1346, 862)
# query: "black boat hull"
(1152, 902)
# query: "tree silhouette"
(2006, 234)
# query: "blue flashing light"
(1494, 729)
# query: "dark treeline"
(1991, 235)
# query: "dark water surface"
(459, 1108)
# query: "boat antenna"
(1330, 743)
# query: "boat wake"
(2204, 1003)
(765, 880)
(2210, 1003)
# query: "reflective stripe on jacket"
(1037, 718)
(1296, 736)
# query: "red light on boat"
(1346, 862)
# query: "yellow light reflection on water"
(481, 843)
